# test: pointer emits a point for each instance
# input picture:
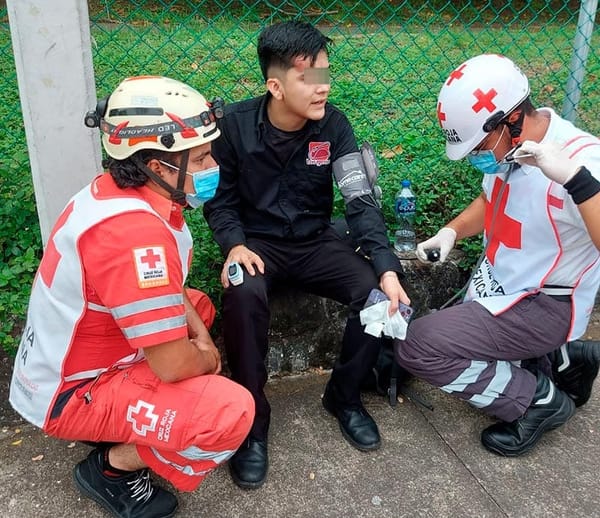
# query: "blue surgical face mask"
(485, 160)
(205, 184)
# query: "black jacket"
(258, 197)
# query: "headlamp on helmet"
(152, 112)
(93, 117)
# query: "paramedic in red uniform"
(115, 350)
(511, 348)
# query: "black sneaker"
(128, 496)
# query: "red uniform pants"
(182, 430)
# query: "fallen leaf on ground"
(392, 152)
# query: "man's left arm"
(367, 228)
(584, 188)
(364, 217)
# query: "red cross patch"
(151, 266)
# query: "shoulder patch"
(151, 266)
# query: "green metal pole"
(581, 47)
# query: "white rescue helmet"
(153, 112)
(484, 89)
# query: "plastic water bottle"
(405, 208)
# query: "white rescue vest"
(54, 311)
(538, 237)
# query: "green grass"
(387, 63)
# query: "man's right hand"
(212, 352)
(246, 258)
(444, 240)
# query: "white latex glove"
(444, 240)
(551, 158)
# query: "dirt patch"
(8, 417)
(593, 330)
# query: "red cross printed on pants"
(441, 115)
(142, 417)
(506, 229)
(457, 74)
(151, 258)
(484, 100)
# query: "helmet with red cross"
(152, 112)
(475, 98)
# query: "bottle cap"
(405, 183)
(433, 255)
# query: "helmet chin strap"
(183, 166)
(177, 194)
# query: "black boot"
(248, 467)
(574, 367)
(550, 409)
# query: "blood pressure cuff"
(351, 177)
(370, 161)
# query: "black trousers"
(326, 266)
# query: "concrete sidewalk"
(431, 464)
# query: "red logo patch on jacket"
(318, 153)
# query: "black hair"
(527, 106)
(126, 173)
(281, 43)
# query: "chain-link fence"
(388, 61)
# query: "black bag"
(386, 377)
(389, 379)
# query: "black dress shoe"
(575, 367)
(357, 426)
(550, 409)
(248, 467)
